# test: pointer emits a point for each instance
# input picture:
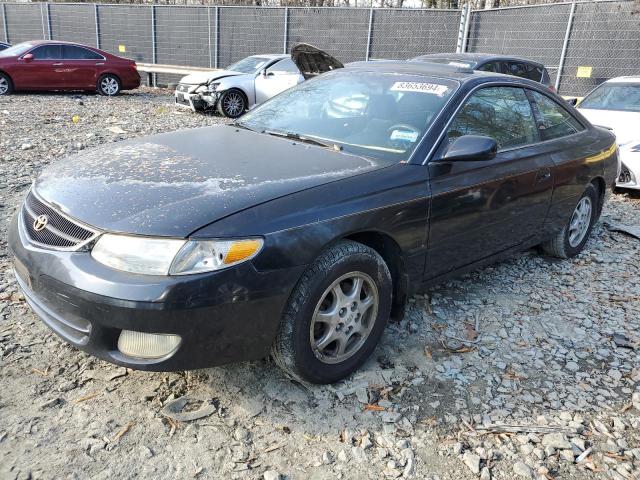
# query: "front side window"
(284, 66)
(47, 52)
(555, 121)
(71, 52)
(491, 67)
(372, 114)
(614, 96)
(502, 113)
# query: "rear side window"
(71, 52)
(503, 113)
(555, 121)
(47, 52)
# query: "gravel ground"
(514, 371)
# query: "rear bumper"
(221, 317)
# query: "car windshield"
(614, 96)
(365, 113)
(248, 65)
(16, 50)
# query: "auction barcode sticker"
(423, 87)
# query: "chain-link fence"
(602, 37)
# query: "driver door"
(481, 208)
(277, 78)
(45, 71)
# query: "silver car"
(251, 81)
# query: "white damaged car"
(615, 104)
(251, 81)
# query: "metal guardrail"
(153, 69)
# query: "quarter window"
(555, 121)
(503, 113)
(47, 52)
(71, 52)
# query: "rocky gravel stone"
(523, 369)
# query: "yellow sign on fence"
(584, 72)
(123, 49)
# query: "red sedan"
(53, 65)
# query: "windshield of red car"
(16, 50)
(383, 115)
(614, 96)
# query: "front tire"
(336, 314)
(6, 85)
(570, 241)
(232, 104)
(109, 85)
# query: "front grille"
(60, 232)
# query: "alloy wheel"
(233, 103)
(580, 221)
(4, 86)
(109, 85)
(344, 317)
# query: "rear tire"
(6, 85)
(571, 240)
(232, 104)
(109, 85)
(336, 314)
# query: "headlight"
(213, 86)
(166, 256)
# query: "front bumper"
(222, 317)
(195, 101)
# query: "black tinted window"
(491, 67)
(524, 70)
(503, 113)
(71, 52)
(556, 121)
(47, 52)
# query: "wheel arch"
(391, 253)
(601, 189)
(108, 72)
(4, 72)
(238, 89)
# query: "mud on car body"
(298, 230)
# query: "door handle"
(101, 63)
(543, 175)
(58, 64)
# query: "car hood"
(175, 183)
(623, 124)
(203, 78)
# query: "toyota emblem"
(40, 222)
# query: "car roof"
(625, 79)
(273, 56)
(56, 42)
(478, 57)
(453, 72)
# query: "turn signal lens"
(199, 256)
(147, 345)
(242, 250)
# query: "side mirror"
(472, 148)
(28, 57)
(573, 101)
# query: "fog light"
(147, 345)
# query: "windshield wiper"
(242, 125)
(302, 138)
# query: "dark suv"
(488, 62)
